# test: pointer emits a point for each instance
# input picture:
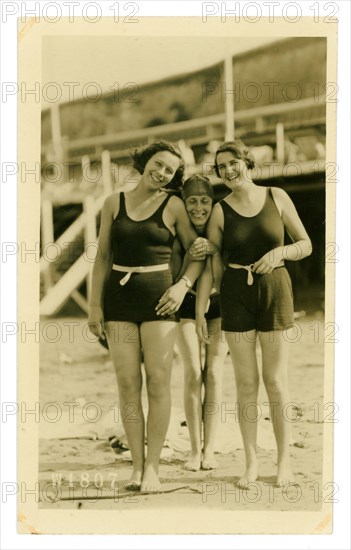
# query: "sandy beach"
(78, 469)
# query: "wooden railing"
(260, 120)
(277, 119)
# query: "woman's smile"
(160, 168)
(231, 169)
(199, 208)
(157, 177)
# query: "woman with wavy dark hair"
(135, 303)
(248, 228)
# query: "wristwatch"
(187, 281)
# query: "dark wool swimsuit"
(138, 243)
(267, 303)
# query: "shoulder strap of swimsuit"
(160, 209)
(226, 208)
(122, 206)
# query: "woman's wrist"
(281, 251)
(200, 316)
(292, 252)
(182, 287)
(185, 280)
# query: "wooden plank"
(72, 233)
(60, 293)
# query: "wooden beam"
(47, 237)
(89, 234)
(229, 99)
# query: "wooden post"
(90, 236)
(279, 134)
(47, 237)
(47, 218)
(106, 172)
(57, 140)
(85, 167)
(229, 100)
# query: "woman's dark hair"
(142, 155)
(239, 151)
(197, 182)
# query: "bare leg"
(216, 353)
(158, 340)
(275, 352)
(125, 355)
(190, 351)
(242, 347)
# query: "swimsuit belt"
(137, 269)
(249, 269)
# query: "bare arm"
(101, 269)
(177, 217)
(212, 274)
(203, 292)
(301, 246)
(215, 235)
(177, 260)
(187, 235)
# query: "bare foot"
(134, 483)
(151, 482)
(285, 475)
(209, 462)
(194, 462)
(249, 476)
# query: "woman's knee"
(275, 384)
(158, 385)
(128, 384)
(192, 379)
(213, 372)
(247, 386)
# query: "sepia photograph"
(181, 367)
(95, 152)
